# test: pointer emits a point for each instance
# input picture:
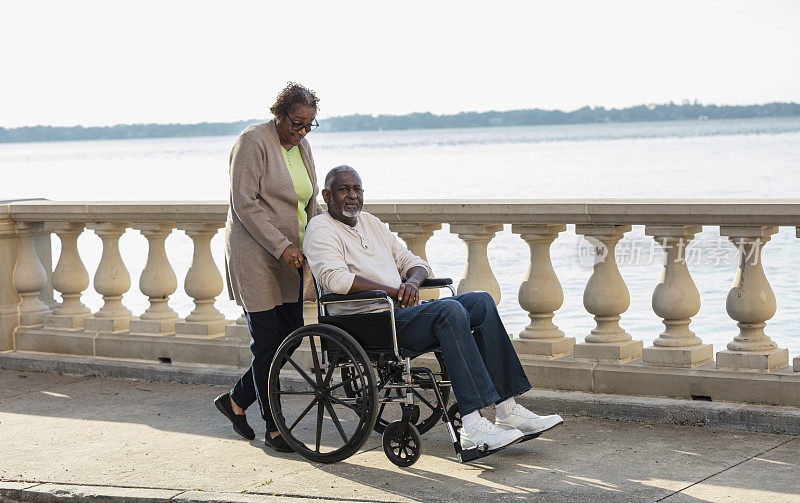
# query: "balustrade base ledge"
(688, 357)
(237, 332)
(8, 324)
(153, 327)
(753, 361)
(609, 352)
(204, 328)
(102, 324)
(544, 348)
(136, 347)
(704, 382)
(719, 414)
(76, 322)
(32, 319)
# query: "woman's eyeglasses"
(297, 126)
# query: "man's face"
(346, 197)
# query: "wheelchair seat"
(371, 330)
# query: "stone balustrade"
(751, 368)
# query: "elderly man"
(351, 251)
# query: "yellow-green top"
(302, 185)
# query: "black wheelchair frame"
(374, 371)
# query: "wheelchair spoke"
(315, 358)
(343, 383)
(331, 366)
(352, 407)
(336, 421)
(279, 392)
(320, 410)
(302, 373)
(303, 414)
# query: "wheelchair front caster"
(401, 443)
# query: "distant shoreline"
(530, 117)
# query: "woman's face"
(298, 117)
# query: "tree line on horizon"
(358, 122)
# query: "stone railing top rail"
(508, 211)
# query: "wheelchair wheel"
(402, 443)
(322, 423)
(424, 395)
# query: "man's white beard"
(351, 214)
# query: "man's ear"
(325, 195)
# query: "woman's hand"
(293, 257)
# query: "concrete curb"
(34, 492)
(120, 369)
(722, 415)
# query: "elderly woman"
(273, 195)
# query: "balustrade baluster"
(158, 282)
(43, 245)
(751, 302)
(203, 283)
(676, 300)
(70, 278)
(478, 274)
(540, 294)
(416, 237)
(29, 276)
(9, 297)
(796, 365)
(111, 281)
(606, 297)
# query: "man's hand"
(293, 257)
(408, 294)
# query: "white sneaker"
(487, 433)
(527, 422)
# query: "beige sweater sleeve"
(247, 158)
(325, 254)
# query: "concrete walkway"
(121, 440)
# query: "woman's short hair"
(292, 95)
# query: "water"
(732, 158)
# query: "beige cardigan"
(262, 220)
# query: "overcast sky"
(107, 62)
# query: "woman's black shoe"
(239, 422)
(277, 443)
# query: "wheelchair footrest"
(467, 455)
(529, 436)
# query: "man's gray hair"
(331, 176)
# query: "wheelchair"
(354, 368)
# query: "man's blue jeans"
(478, 354)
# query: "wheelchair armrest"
(365, 295)
(436, 282)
